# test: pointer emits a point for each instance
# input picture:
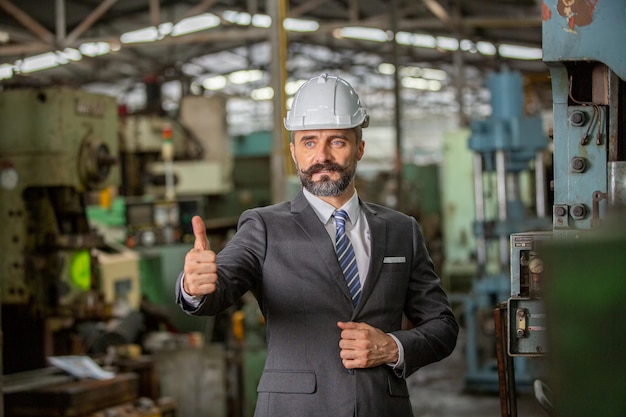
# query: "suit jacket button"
(351, 371)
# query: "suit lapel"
(314, 230)
(378, 233)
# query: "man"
(334, 348)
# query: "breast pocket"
(394, 263)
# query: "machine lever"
(597, 196)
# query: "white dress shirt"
(357, 229)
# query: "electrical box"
(120, 278)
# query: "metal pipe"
(458, 63)
(471, 324)
(28, 22)
(459, 84)
(479, 208)
(506, 371)
(398, 108)
(89, 21)
(501, 184)
(513, 188)
(540, 185)
(201, 7)
(478, 187)
(60, 21)
(502, 205)
(279, 156)
(155, 13)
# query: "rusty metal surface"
(72, 399)
(34, 379)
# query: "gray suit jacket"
(283, 254)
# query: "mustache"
(327, 166)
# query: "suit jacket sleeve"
(239, 268)
(435, 329)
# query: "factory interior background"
(498, 124)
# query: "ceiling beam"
(353, 11)
(89, 21)
(24, 48)
(27, 21)
(438, 10)
(502, 23)
(305, 7)
(155, 12)
(201, 7)
(259, 34)
(61, 24)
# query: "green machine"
(56, 145)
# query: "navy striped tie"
(345, 254)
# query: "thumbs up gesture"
(200, 267)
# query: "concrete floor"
(438, 390)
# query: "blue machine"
(506, 145)
(588, 66)
(567, 285)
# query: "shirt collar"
(325, 210)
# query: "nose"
(322, 154)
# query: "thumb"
(346, 325)
(199, 231)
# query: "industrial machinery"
(57, 145)
(509, 146)
(169, 167)
(204, 172)
(565, 308)
(65, 291)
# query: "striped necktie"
(345, 254)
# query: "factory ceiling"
(92, 40)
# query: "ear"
(361, 150)
(292, 149)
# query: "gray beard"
(326, 187)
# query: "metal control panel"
(527, 325)
(526, 310)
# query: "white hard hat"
(326, 102)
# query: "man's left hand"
(364, 346)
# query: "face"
(326, 160)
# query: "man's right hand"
(200, 267)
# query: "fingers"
(364, 346)
(353, 345)
(200, 270)
(199, 231)
(198, 263)
(206, 285)
(352, 332)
